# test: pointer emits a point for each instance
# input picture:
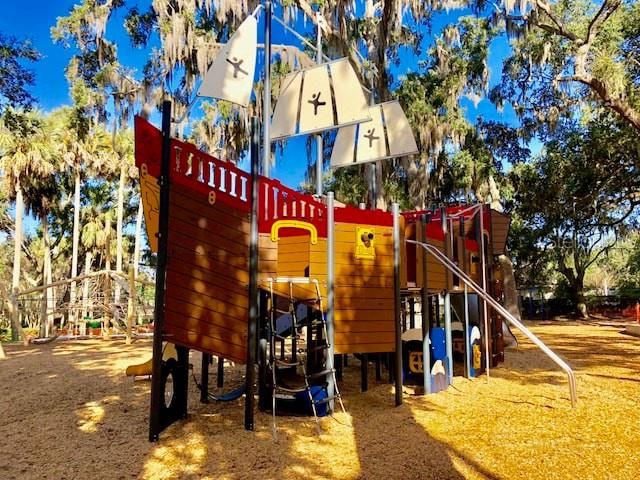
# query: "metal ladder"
(322, 345)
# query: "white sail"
(319, 98)
(230, 76)
(387, 135)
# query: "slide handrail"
(438, 255)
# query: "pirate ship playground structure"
(255, 272)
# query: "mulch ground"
(68, 412)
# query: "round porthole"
(168, 390)
(169, 370)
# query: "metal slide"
(438, 255)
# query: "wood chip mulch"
(68, 412)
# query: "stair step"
(321, 373)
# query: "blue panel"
(438, 344)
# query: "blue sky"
(33, 20)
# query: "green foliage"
(622, 263)
(15, 78)
(566, 55)
(349, 185)
(574, 200)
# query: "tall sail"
(387, 135)
(319, 98)
(230, 76)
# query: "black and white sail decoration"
(319, 98)
(230, 76)
(386, 135)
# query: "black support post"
(220, 373)
(157, 390)
(204, 378)
(364, 372)
(252, 340)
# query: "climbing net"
(83, 305)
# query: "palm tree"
(124, 163)
(25, 155)
(95, 231)
(84, 148)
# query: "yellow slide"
(144, 369)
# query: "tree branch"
(559, 28)
(606, 10)
(331, 31)
(622, 108)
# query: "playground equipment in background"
(144, 369)
(50, 306)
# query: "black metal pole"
(412, 313)
(364, 372)
(254, 303)
(204, 378)
(338, 362)
(220, 373)
(161, 270)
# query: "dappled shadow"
(74, 415)
(71, 410)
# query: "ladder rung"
(308, 300)
(321, 373)
(290, 390)
(313, 349)
(284, 396)
(284, 363)
(326, 400)
(290, 280)
(280, 337)
(312, 323)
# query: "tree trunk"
(119, 221)
(131, 305)
(15, 281)
(51, 297)
(46, 259)
(76, 241)
(107, 281)
(2, 354)
(577, 291)
(138, 239)
(510, 290)
(380, 204)
(88, 259)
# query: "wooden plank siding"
(207, 275)
(290, 256)
(364, 309)
(294, 256)
(500, 224)
(436, 273)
